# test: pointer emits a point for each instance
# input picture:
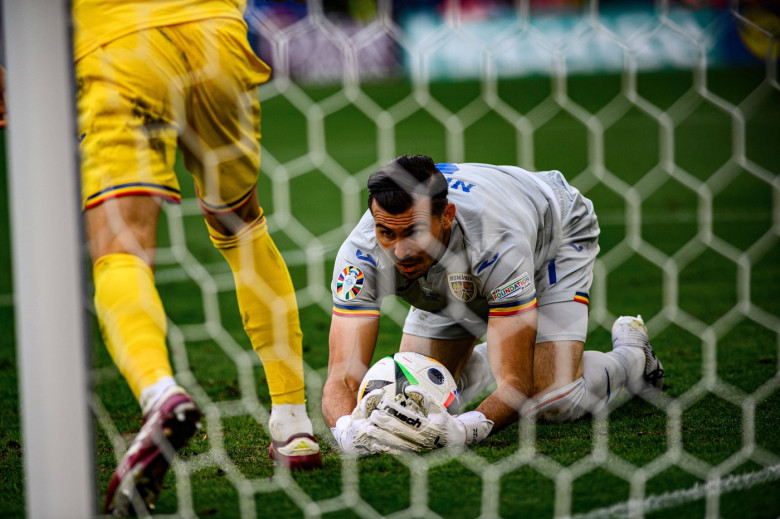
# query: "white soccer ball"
(393, 374)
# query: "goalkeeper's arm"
(510, 342)
(351, 345)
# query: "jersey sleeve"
(354, 284)
(509, 284)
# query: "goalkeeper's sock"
(132, 319)
(631, 359)
(266, 299)
(476, 376)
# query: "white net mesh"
(328, 67)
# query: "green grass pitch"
(712, 428)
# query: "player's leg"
(266, 300)
(224, 158)
(570, 382)
(559, 385)
(629, 332)
(121, 235)
(127, 157)
(561, 367)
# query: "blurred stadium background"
(665, 114)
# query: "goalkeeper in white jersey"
(478, 251)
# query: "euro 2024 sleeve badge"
(349, 283)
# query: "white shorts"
(561, 321)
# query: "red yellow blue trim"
(135, 188)
(355, 311)
(513, 308)
(582, 297)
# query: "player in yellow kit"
(154, 75)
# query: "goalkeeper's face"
(415, 238)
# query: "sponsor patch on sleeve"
(513, 287)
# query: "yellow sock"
(266, 299)
(132, 319)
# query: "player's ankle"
(287, 420)
(150, 395)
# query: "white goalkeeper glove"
(406, 427)
(351, 431)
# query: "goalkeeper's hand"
(427, 427)
(352, 431)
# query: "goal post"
(47, 268)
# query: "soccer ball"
(394, 373)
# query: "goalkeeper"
(153, 76)
(476, 250)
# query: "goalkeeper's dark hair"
(395, 186)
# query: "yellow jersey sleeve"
(98, 22)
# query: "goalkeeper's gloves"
(351, 431)
(426, 426)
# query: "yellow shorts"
(192, 85)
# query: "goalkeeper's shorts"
(192, 86)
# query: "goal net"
(665, 114)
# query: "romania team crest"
(462, 286)
(349, 283)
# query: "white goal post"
(48, 268)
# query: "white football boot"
(631, 332)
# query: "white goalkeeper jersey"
(507, 231)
